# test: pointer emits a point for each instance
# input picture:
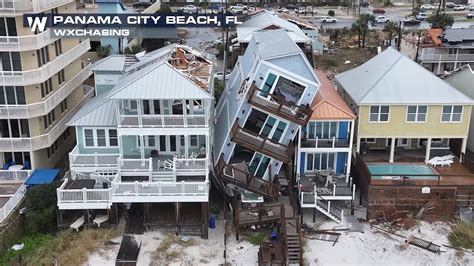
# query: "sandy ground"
(353, 248)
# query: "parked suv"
(421, 16)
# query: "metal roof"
(264, 21)
(458, 35)
(104, 115)
(276, 43)
(110, 63)
(391, 78)
(328, 105)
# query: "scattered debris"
(415, 241)
(18, 246)
(326, 236)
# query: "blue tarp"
(42, 176)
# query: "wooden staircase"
(293, 241)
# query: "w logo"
(37, 23)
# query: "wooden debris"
(415, 241)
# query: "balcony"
(42, 108)
(26, 43)
(438, 58)
(44, 140)
(34, 6)
(266, 146)
(239, 175)
(160, 191)
(158, 121)
(82, 198)
(277, 105)
(93, 161)
(39, 75)
(332, 143)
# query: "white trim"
(451, 114)
(379, 114)
(94, 136)
(416, 114)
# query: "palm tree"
(440, 20)
(390, 28)
(361, 26)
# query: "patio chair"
(5, 166)
(27, 165)
(448, 157)
(168, 165)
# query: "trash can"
(274, 235)
(212, 222)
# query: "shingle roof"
(328, 105)
(265, 20)
(391, 78)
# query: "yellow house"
(405, 112)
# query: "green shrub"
(331, 13)
(462, 235)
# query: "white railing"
(135, 165)
(41, 74)
(26, 42)
(20, 6)
(77, 159)
(44, 107)
(325, 143)
(14, 175)
(12, 203)
(44, 140)
(160, 189)
(448, 57)
(190, 165)
(163, 121)
(82, 195)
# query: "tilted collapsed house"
(145, 138)
(265, 102)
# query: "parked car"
(300, 10)
(219, 75)
(470, 16)
(283, 10)
(381, 19)
(364, 4)
(427, 7)
(411, 21)
(142, 4)
(189, 9)
(421, 16)
(471, 8)
(291, 7)
(459, 8)
(378, 11)
(450, 4)
(328, 20)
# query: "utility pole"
(399, 35)
(418, 46)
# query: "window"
(379, 113)
(151, 141)
(322, 130)
(42, 56)
(194, 140)
(63, 105)
(52, 150)
(46, 88)
(49, 119)
(10, 61)
(113, 140)
(320, 161)
(101, 140)
(12, 95)
(416, 113)
(267, 86)
(368, 140)
(58, 48)
(451, 113)
(14, 128)
(8, 27)
(61, 77)
(89, 137)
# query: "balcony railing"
(154, 121)
(239, 175)
(277, 105)
(447, 57)
(261, 144)
(41, 74)
(159, 189)
(12, 203)
(44, 140)
(325, 143)
(94, 160)
(20, 6)
(14, 175)
(44, 107)
(135, 166)
(27, 42)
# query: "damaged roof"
(172, 72)
(267, 21)
(392, 78)
(328, 105)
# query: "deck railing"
(77, 159)
(135, 165)
(183, 188)
(261, 144)
(277, 105)
(185, 166)
(447, 57)
(12, 203)
(41, 74)
(21, 6)
(44, 140)
(44, 107)
(155, 121)
(26, 42)
(84, 195)
(325, 143)
(14, 175)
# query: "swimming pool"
(413, 171)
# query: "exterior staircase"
(293, 241)
(330, 211)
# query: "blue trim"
(343, 129)
(341, 162)
(303, 163)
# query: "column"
(358, 145)
(349, 154)
(140, 110)
(463, 149)
(392, 150)
(187, 139)
(142, 147)
(428, 150)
